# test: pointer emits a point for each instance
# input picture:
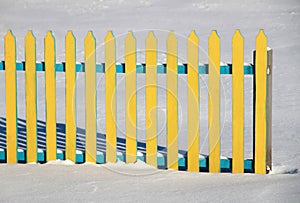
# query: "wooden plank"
(193, 103)
(237, 103)
(130, 71)
(50, 83)
(260, 104)
(151, 100)
(110, 87)
(214, 102)
(90, 97)
(70, 96)
(31, 97)
(172, 102)
(11, 97)
(160, 68)
(269, 108)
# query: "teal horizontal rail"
(225, 163)
(140, 68)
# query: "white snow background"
(65, 182)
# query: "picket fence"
(191, 161)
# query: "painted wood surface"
(260, 104)
(70, 96)
(50, 84)
(111, 106)
(237, 103)
(173, 159)
(11, 97)
(193, 103)
(151, 100)
(90, 97)
(130, 104)
(31, 97)
(214, 102)
(172, 102)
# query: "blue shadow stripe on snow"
(61, 137)
(101, 147)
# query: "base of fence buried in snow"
(225, 162)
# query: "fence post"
(11, 98)
(269, 108)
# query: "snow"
(65, 181)
(128, 183)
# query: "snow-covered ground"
(119, 182)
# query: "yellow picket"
(110, 87)
(237, 103)
(50, 96)
(90, 97)
(214, 101)
(172, 102)
(11, 97)
(70, 96)
(151, 100)
(193, 103)
(260, 103)
(31, 102)
(130, 69)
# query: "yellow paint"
(31, 103)
(130, 69)
(11, 97)
(151, 100)
(260, 103)
(90, 96)
(214, 102)
(50, 96)
(193, 103)
(172, 102)
(110, 87)
(237, 103)
(70, 97)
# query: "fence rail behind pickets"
(191, 160)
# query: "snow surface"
(63, 181)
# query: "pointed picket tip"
(151, 41)
(193, 37)
(9, 34)
(130, 35)
(238, 33)
(90, 36)
(171, 37)
(237, 36)
(261, 35)
(30, 35)
(49, 34)
(171, 34)
(109, 36)
(214, 35)
(151, 35)
(70, 34)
